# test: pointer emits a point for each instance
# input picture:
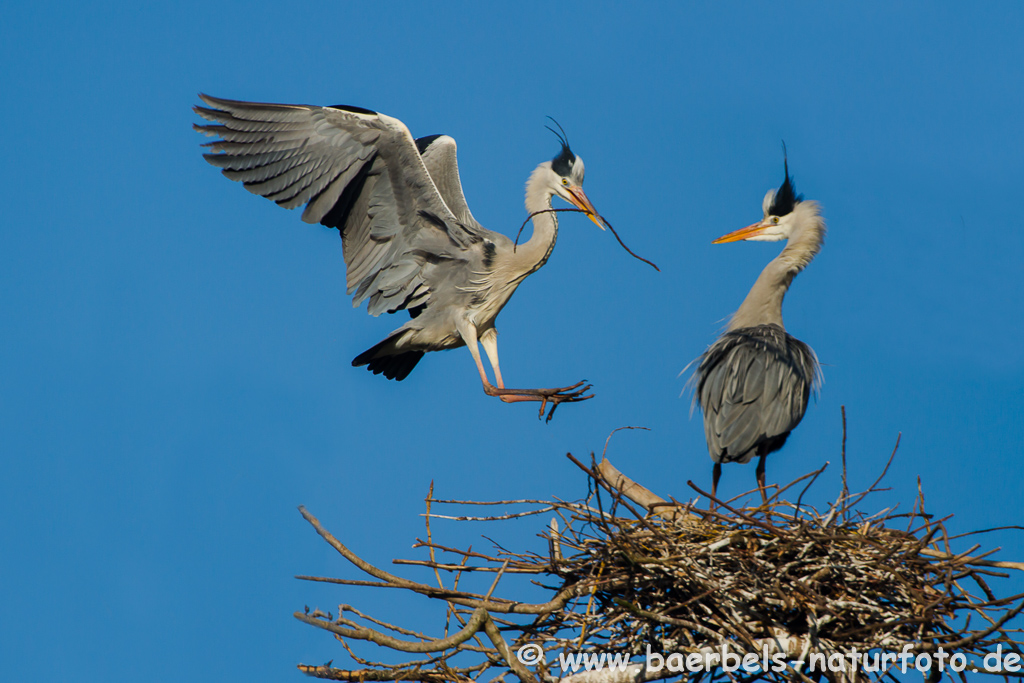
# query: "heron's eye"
(565, 181)
(775, 220)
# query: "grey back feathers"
(753, 385)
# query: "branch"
(640, 495)
(357, 632)
(455, 597)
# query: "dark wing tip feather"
(354, 109)
(426, 141)
(396, 367)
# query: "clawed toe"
(571, 394)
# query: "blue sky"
(174, 363)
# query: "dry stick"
(451, 610)
(437, 573)
(513, 662)
(775, 531)
(353, 630)
(814, 478)
(871, 488)
(703, 630)
(346, 582)
(496, 518)
(974, 638)
(457, 597)
(456, 551)
(461, 568)
(919, 506)
(985, 531)
(595, 473)
(639, 494)
(788, 486)
(604, 453)
(554, 545)
(524, 501)
(369, 663)
(972, 560)
(397, 629)
(603, 220)
(756, 489)
(933, 529)
(326, 672)
(846, 490)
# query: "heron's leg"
(490, 343)
(760, 476)
(489, 340)
(555, 396)
(716, 474)
(468, 333)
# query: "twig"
(603, 220)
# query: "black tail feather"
(395, 366)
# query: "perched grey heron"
(409, 240)
(754, 381)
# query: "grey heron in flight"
(409, 240)
(754, 381)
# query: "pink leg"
(555, 396)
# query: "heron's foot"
(572, 394)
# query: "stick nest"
(631, 573)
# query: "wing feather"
(360, 172)
(439, 154)
(752, 386)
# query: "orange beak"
(580, 201)
(742, 234)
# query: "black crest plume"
(562, 164)
(786, 198)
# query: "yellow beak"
(580, 201)
(743, 233)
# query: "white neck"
(529, 257)
(763, 305)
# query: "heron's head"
(779, 216)
(565, 178)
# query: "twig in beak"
(530, 217)
(603, 220)
(609, 226)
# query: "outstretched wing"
(355, 170)
(753, 385)
(440, 158)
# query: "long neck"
(533, 254)
(763, 305)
